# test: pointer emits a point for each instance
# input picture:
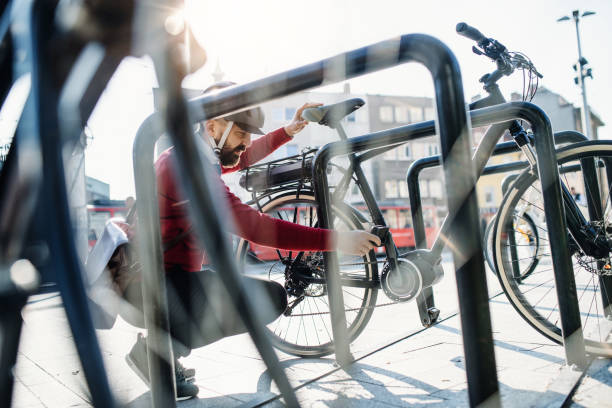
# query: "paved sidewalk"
(426, 368)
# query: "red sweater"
(250, 224)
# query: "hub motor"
(415, 271)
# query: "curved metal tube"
(455, 141)
(555, 217)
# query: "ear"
(210, 126)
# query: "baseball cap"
(249, 120)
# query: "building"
(96, 189)
(563, 116)
(389, 171)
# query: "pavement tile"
(56, 395)
(23, 397)
(426, 368)
(595, 389)
(352, 393)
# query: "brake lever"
(476, 51)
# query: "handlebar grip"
(470, 32)
(381, 232)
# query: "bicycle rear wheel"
(534, 295)
(305, 329)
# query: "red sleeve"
(260, 148)
(262, 229)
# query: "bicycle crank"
(415, 271)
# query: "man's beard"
(230, 158)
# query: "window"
(429, 113)
(435, 188)
(386, 114)
(278, 114)
(391, 154)
(401, 114)
(489, 195)
(416, 114)
(424, 187)
(432, 149)
(390, 189)
(390, 216)
(404, 152)
(405, 219)
(292, 149)
(289, 113)
(403, 188)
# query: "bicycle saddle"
(331, 115)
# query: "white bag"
(105, 301)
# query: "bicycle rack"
(19, 188)
(414, 190)
(573, 339)
(40, 140)
(453, 128)
(455, 141)
(426, 300)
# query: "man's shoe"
(188, 373)
(185, 389)
(138, 361)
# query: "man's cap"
(250, 120)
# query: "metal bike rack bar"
(414, 171)
(19, 189)
(565, 284)
(456, 143)
(425, 301)
(574, 344)
(450, 106)
(40, 124)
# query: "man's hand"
(356, 242)
(298, 123)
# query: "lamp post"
(582, 71)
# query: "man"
(199, 311)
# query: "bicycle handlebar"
(506, 62)
(470, 32)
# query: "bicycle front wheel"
(533, 294)
(527, 241)
(305, 329)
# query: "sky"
(252, 39)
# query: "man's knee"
(271, 298)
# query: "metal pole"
(565, 283)
(586, 117)
(455, 139)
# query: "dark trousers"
(200, 309)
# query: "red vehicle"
(98, 213)
(398, 218)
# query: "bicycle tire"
(359, 302)
(534, 297)
(530, 233)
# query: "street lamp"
(582, 72)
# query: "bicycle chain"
(594, 271)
